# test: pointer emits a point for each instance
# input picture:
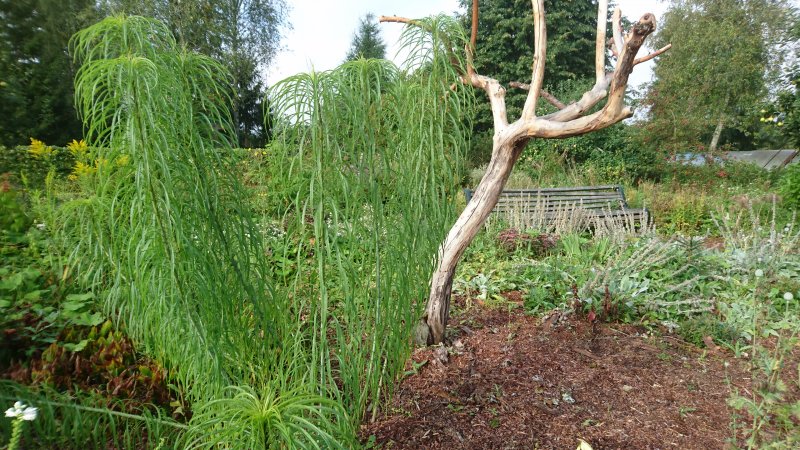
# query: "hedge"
(18, 163)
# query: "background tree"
(717, 70)
(367, 42)
(243, 35)
(36, 71)
(782, 113)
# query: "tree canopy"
(367, 42)
(36, 71)
(717, 69)
(243, 35)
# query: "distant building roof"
(768, 159)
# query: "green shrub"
(480, 150)
(22, 166)
(14, 217)
(790, 186)
(695, 329)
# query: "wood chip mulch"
(512, 381)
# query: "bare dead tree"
(511, 138)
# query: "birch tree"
(725, 55)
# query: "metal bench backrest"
(607, 197)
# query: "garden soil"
(513, 381)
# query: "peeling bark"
(467, 226)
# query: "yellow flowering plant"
(40, 150)
(85, 163)
(81, 170)
(79, 149)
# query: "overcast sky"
(323, 30)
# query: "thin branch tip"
(652, 55)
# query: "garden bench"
(598, 202)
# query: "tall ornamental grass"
(167, 238)
(373, 155)
(281, 340)
(164, 234)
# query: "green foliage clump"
(36, 71)
(369, 205)
(243, 36)
(710, 77)
(790, 186)
(20, 166)
(55, 338)
(14, 217)
(696, 330)
(80, 420)
(36, 307)
(166, 241)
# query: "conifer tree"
(367, 42)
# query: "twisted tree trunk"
(464, 231)
(510, 139)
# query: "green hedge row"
(18, 163)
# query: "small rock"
(627, 388)
(440, 354)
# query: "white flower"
(759, 273)
(788, 296)
(20, 410)
(30, 413)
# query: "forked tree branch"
(539, 57)
(652, 55)
(509, 140)
(544, 94)
(569, 120)
(617, 32)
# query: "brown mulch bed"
(517, 382)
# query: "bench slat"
(610, 187)
(596, 201)
(557, 197)
(545, 201)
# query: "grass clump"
(282, 320)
